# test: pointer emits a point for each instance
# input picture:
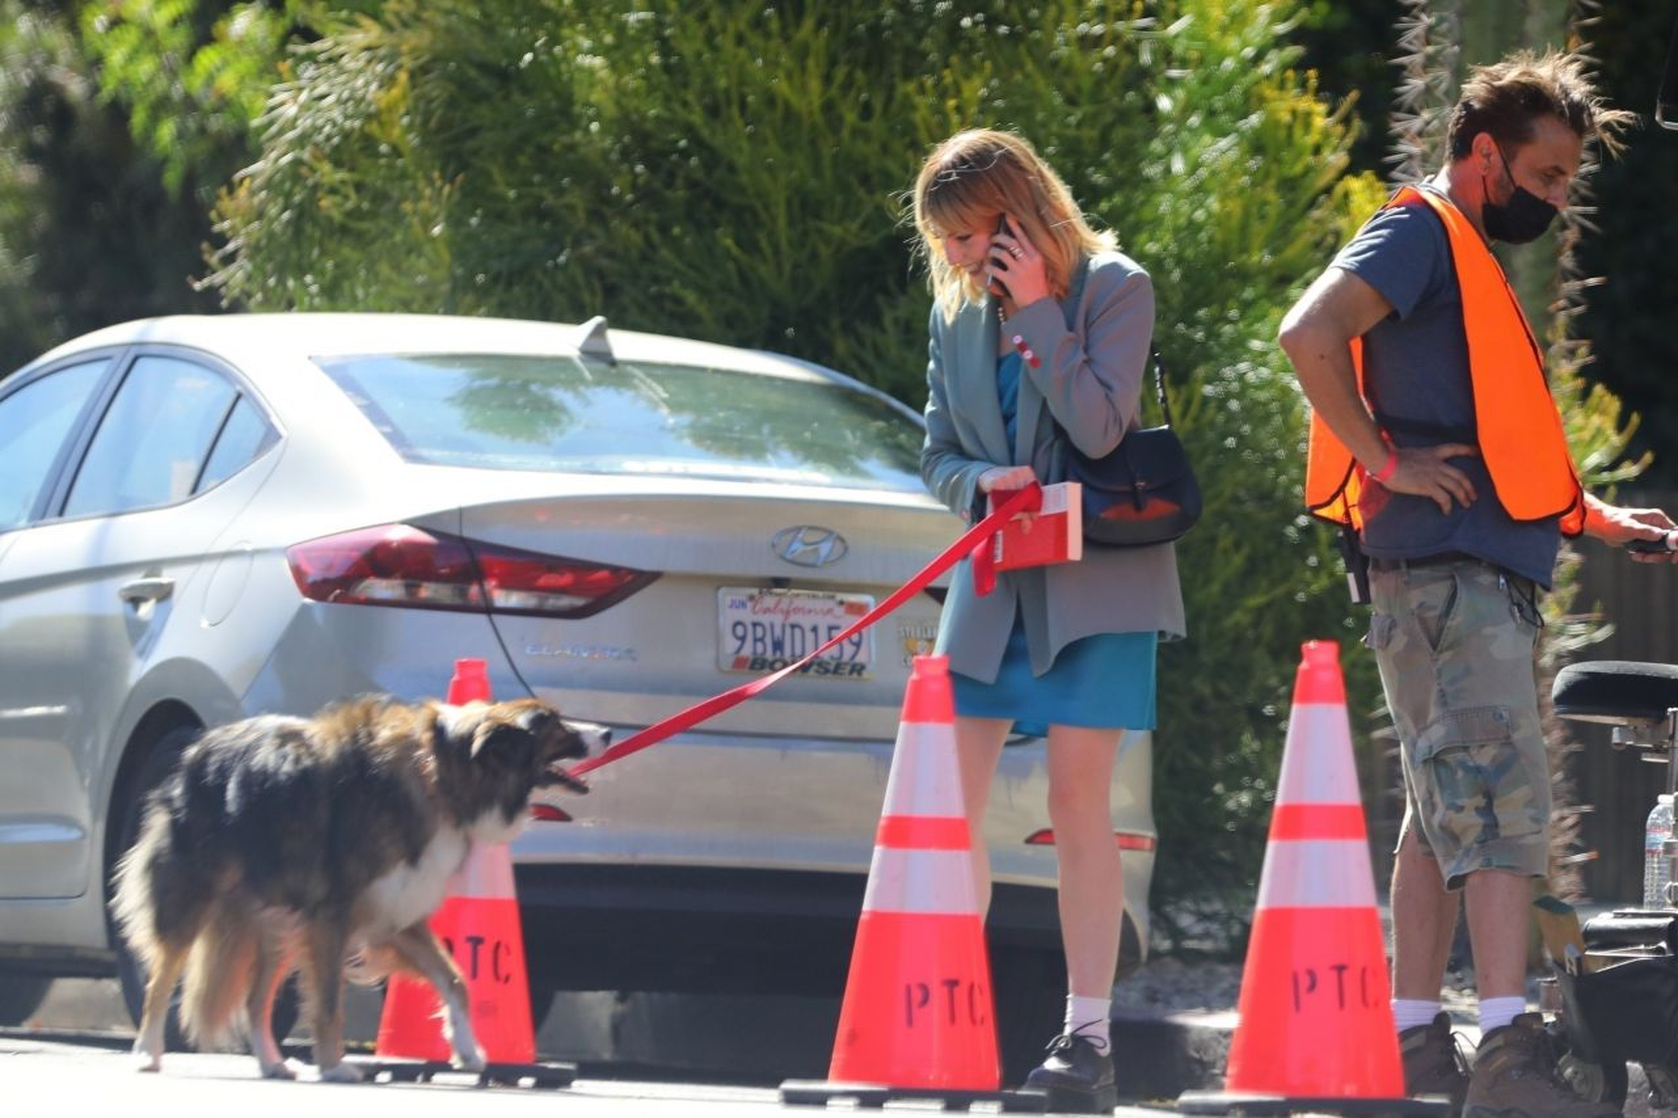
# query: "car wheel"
(126, 811)
(21, 994)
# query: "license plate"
(764, 630)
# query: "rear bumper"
(629, 927)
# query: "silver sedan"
(203, 518)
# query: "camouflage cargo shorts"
(1454, 642)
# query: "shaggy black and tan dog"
(282, 844)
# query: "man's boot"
(1515, 1077)
(1433, 1064)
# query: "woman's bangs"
(953, 206)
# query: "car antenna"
(592, 341)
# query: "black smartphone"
(1666, 543)
(998, 280)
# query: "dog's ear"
(531, 721)
(494, 735)
(539, 720)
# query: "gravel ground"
(1172, 983)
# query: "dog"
(282, 844)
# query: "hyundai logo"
(809, 546)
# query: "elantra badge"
(809, 546)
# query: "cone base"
(504, 1075)
(1316, 1011)
(409, 1028)
(871, 1096)
(485, 938)
(1235, 1102)
(918, 1007)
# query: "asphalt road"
(73, 1059)
(51, 1076)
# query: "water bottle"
(1657, 869)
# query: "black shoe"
(1077, 1076)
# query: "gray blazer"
(1090, 382)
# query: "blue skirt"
(1105, 681)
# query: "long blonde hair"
(973, 178)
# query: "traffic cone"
(470, 682)
(917, 1018)
(478, 923)
(1316, 1026)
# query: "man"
(1434, 438)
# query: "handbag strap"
(1159, 387)
(1074, 295)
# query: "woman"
(1040, 333)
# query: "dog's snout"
(595, 738)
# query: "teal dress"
(1103, 681)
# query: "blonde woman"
(1040, 334)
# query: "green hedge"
(734, 171)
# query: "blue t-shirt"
(1416, 379)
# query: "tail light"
(1126, 840)
(400, 565)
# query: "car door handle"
(146, 590)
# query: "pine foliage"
(89, 234)
(735, 172)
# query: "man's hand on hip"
(1423, 471)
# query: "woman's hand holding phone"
(1016, 267)
(997, 286)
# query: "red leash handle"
(984, 552)
(974, 541)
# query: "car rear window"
(557, 413)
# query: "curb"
(1158, 1056)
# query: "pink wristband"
(1389, 467)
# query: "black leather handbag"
(1142, 493)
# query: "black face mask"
(1523, 218)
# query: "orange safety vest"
(1517, 425)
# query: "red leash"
(975, 540)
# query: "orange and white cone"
(478, 923)
(1316, 1023)
(918, 1009)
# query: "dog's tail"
(132, 898)
(219, 974)
(164, 908)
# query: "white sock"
(1089, 1017)
(1498, 1012)
(1410, 1012)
